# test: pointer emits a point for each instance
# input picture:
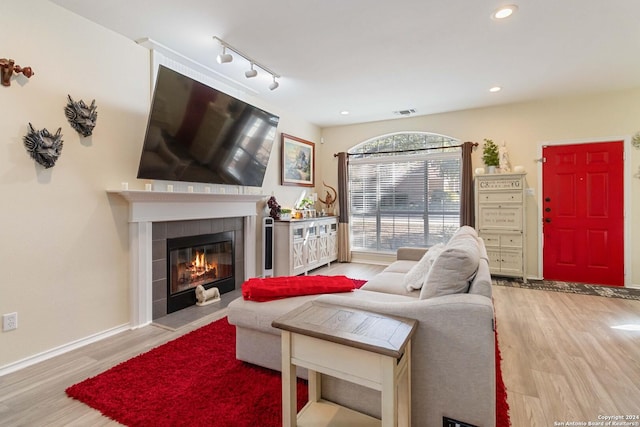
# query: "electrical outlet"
(9, 321)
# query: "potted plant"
(490, 155)
(285, 214)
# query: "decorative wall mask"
(635, 141)
(82, 118)
(43, 147)
(8, 67)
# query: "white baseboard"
(40, 357)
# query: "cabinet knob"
(547, 199)
(547, 220)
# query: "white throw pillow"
(416, 276)
(454, 268)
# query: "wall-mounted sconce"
(8, 67)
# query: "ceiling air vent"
(407, 112)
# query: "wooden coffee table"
(366, 348)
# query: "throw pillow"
(417, 274)
(465, 229)
(453, 269)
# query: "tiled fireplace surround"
(155, 216)
(161, 231)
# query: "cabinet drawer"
(490, 239)
(500, 217)
(511, 241)
(500, 197)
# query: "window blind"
(404, 200)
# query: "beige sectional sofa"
(453, 356)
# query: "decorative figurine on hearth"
(81, 117)
(274, 208)
(206, 296)
(42, 146)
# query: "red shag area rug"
(195, 380)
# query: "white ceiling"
(374, 57)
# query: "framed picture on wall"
(298, 161)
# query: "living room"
(65, 239)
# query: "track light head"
(251, 73)
(274, 85)
(224, 57)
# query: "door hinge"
(541, 160)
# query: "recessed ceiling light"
(495, 89)
(504, 11)
(344, 113)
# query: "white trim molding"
(147, 207)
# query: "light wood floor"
(562, 361)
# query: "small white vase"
(491, 169)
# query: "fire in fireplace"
(206, 260)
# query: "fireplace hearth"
(155, 216)
(206, 259)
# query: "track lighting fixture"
(225, 57)
(251, 73)
(274, 85)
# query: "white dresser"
(301, 245)
(500, 221)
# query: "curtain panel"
(344, 244)
(467, 204)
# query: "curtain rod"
(475, 144)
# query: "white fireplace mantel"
(147, 207)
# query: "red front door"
(582, 211)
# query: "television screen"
(199, 134)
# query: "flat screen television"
(196, 133)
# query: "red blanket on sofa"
(288, 286)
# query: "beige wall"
(64, 254)
(523, 127)
(63, 257)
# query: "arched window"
(404, 191)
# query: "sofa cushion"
(418, 273)
(390, 282)
(400, 266)
(454, 268)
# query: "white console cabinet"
(301, 245)
(500, 221)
